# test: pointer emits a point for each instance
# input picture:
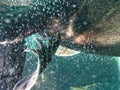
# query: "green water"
(78, 72)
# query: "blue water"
(79, 72)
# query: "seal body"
(89, 26)
(100, 37)
(93, 28)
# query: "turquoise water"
(79, 72)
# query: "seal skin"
(82, 27)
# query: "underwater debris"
(64, 51)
